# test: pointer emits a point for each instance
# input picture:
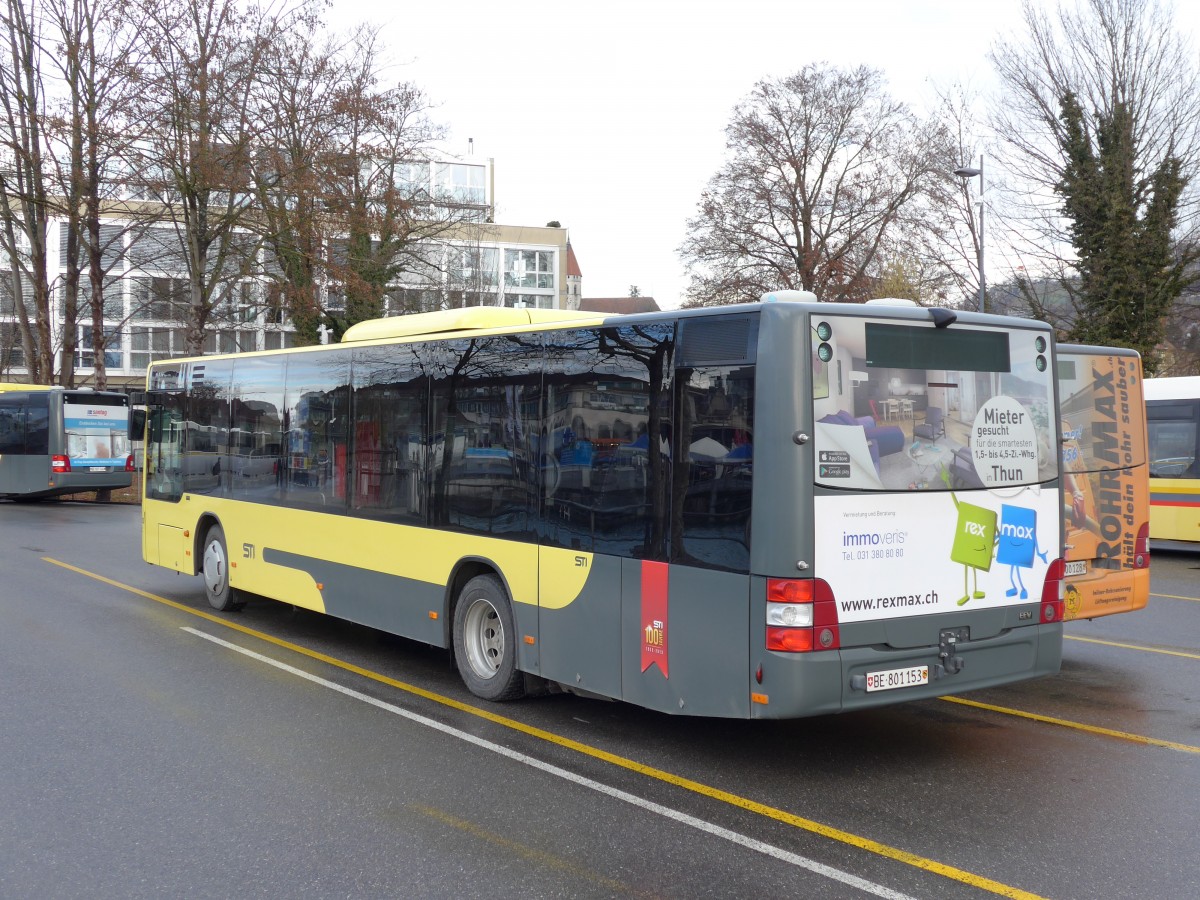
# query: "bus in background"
(56, 440)
(1173, 416)
(1106, 481)
(769, 510)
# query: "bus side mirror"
(137, 424)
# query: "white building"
(486, 264)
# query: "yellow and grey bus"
(1106, 496)
(56, 440)
(1173, 421)
(771, 510)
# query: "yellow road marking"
(1144, 649)
(1176, 597)
(770, 812)
(1077, 726)
(532, 854)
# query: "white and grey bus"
(56, 441)
(771, 510)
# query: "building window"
(473, 268)
(412, 180)
(159, 299)
(529, 269)
(401, 301)
(241, 303)
(229, 342)
(529, 301)
(278, 340)
(85, 351)
(149, 344)
(275, 310)
(461, 183)
(12, 354)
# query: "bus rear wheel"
(215, 569)
(485, 641)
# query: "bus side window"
(37, 426)
(164, 450)
(12, 428)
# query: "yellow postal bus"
(1173, 419)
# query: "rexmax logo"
(1021, 532)
(975, 529)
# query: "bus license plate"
(1079, 567)
(897, 678)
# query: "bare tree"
(825, 171)
(389, 214)
(1072, 74)
(348, 208)
(201, 135)
(96, 58)
(24, 203)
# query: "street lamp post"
(966, 172)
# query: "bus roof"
(471, 318)
(10, 386)
(43, 388)
(1094, 349)
(1183, 387)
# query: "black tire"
(485, 641)
(214, 567)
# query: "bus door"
(163, 542)
(645, 561)
(12, 437)
(1106, 496)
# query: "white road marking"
(734, 837)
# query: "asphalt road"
(153, 748)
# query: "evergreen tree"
(1121, 219)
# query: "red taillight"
(1052, 598)
(129, 463)
(801, 616)
(60, 464)
(1141, 547)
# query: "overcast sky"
(609, 116)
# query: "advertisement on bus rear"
(936, 451)
(888, 556)
(97, 435)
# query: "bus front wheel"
(215, 569)
(485, 641)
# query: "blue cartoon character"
(1017, 545)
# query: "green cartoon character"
(974, 542)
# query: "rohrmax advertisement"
(1106, 497)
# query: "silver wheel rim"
(214, 568)
(483, 638)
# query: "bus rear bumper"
(802, 684)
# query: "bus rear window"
(912, 407)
